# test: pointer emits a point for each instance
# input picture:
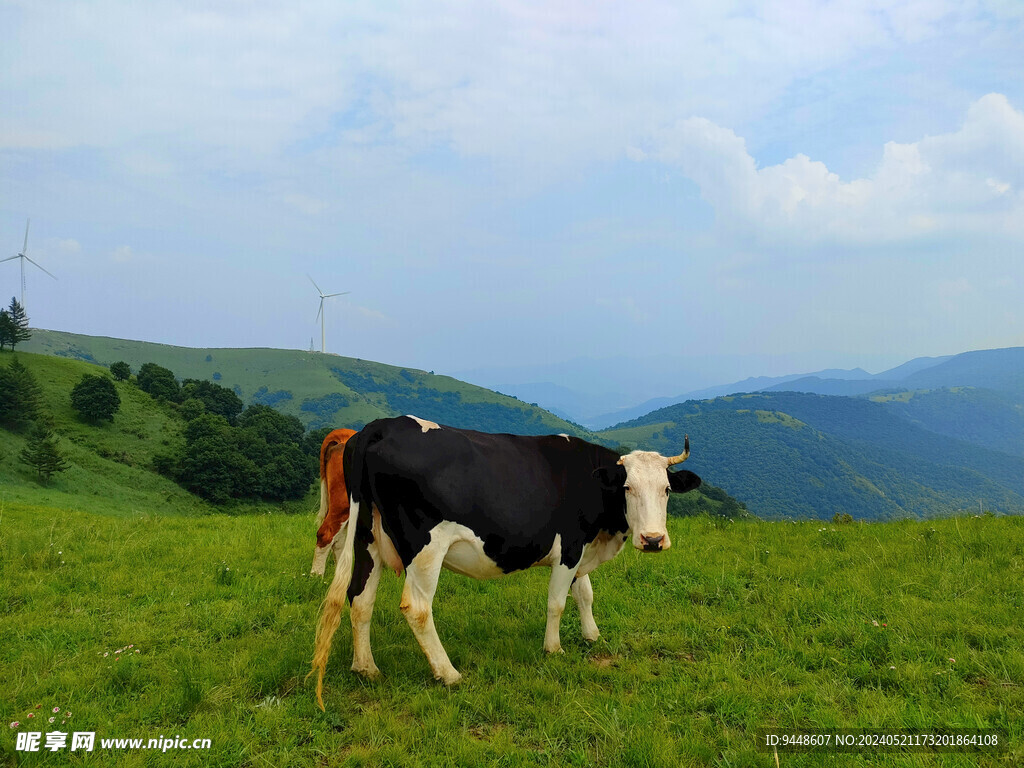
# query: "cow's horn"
(682, 456)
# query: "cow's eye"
(626, 487)
(668, 490)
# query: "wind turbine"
(23, 259)
(320, 313)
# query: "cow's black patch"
(515, 492)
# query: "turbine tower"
(320, 313)
(23, 258)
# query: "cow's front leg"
(558, 591)
(583, 593)
(418, 606)
(362, 593)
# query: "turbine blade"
(25, 246)
(9, 258)
(336, 294)
(315, 285)
(42, 268)
(321, 309)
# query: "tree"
(19, 321)
(95, 398)
(273, 426)
(120, 371)
(41, 451)
(158, 382)
(211, 469)
(217, 399)
(19, 395)
(6, 329)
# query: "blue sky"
(690, 194)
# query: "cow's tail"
(334, 603)
(328, 447)
(325, 502)
(322, 549)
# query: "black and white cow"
(425, 496)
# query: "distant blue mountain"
(1001, 370)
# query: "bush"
(120, 371)
(95, 398)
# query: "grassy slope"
(110, 463)
(305, 375)
(740, 626)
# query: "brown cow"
(333, 497)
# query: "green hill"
(111, 464)
(804, 455)
(320, 389)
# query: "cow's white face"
(647, 489)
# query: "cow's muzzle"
(651, 543)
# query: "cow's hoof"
(591, 637)
(370, 673)
(554, 649)
(450, 678)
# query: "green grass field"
(740, 626)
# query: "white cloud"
(940, 184)
(507, 80)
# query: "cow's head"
(647, 482)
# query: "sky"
(647, 197)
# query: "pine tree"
(41, 451)
(19, 321)
(6, 330)
(19, 395)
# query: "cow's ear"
(611, 478)
(683, 481)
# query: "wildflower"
(56, 710)
(105, 654)
(52, 719)
(15, 724)
(31, 715)
(874, 622)
(38, 706)
(952, 661)
(136, 650)
(891, 667)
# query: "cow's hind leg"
(583, 593)
(558, 590)
(362, 593)
(417, 604)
